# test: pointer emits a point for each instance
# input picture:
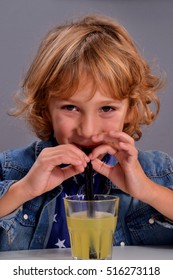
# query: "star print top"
(59, 237)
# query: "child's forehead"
(88, 87)
(95, 95)
(91, 89)
(85, 86)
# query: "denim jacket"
(29, 226)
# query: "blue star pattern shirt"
(59, 236)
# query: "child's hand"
(46, 172)
(127, 174)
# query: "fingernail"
(91, 156)
(87, 159)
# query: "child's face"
(77, 119)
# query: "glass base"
(76, 258)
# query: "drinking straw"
(90, 196)
(89, 182)
(88, 177)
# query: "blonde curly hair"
(102, 48)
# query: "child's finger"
(101, 150)
(101, 167)
(113, 136)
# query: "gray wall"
(23, 23)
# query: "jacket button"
(151, 221)
(122, 243)
(25, 216)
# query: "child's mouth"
(86, 149)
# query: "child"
(88, 87)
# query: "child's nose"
(88, 126)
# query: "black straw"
(90, 196)
(89, 182)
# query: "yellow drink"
(91, 237)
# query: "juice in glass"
(91, 236)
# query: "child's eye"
(106, 109)
(70, 107)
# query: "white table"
(119, 253)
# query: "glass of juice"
(91, 225)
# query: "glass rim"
(108, 196)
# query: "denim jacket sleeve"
(15, 164)
(139, 223)
(158, 166)
(12, 169)
(144, 224)
(28, 227)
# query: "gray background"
(23, 23)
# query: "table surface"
(119, 253)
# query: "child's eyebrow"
(100, 102)
(110, 101)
